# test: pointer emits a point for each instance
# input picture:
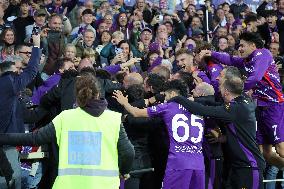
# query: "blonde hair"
(89, 52)
(70, 45)
(118, 34)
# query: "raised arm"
(218, 112)
(29, 73)
(223, 58)
(259, 64)
(136, 112)
(42, 136)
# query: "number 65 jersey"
(185, 132)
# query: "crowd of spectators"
(135, 46)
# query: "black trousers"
(245, 178)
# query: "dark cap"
(147, 29)
(87, 11)
(40, 12)
(197, 32)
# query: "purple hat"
(154, 47)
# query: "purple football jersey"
(185, 135)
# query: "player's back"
(185, 132)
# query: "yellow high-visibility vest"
(88, 155)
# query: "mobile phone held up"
(35, 30)
(118, 51)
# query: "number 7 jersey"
(185, 132)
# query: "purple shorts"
(184, 179)
(270, 124)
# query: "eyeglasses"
(123, 17)
(26, 52)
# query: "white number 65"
(176, 123)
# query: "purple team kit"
(185, 166)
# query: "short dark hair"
(6, 66)
(187, 79)
(156, 82)
(176, 85)
(233, 80)
(252, 37)
(251, 17)
(135, 92)
(61, 62)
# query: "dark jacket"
(47, 135)
(5, 166)
(11, 120)
(241, 132)
(54, 45)
(237, 9)
(62, 96)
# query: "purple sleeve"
(225, 58)
(204, 77)
(214, 73)
(158, 110)
(112, 69)
(258, 66)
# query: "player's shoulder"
(262, 52)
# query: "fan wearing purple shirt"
(185, 166)
(262, 79)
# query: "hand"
(121, 99)
(76, 61)
(178, 46)
(65, 11)
(141, 46)
(167, 52)
(155, 20)
(214, 135)
(190, 98)
(48, 14)
(204, 53)
(249, 93)
(44, 32)
(36, 40)
(125, 177)
(197, 79)
(118, 58)
(131, 62)
(176, 17)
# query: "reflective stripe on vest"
(87, 172)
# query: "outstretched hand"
(204, 53)
(121, 99)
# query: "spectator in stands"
(22, 21)
(238, 7)
(8, 39)
(58, 7)
(53, 44)
(39, 18)
(11, 111)
(87, 20)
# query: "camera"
(36, 30)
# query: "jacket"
(241, 130)
(11, 120)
